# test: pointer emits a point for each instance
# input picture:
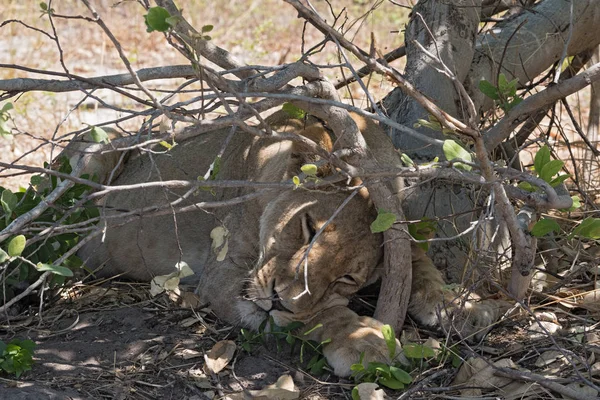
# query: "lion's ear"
(302, 154)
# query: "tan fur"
(264, 271)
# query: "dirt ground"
(118, 343)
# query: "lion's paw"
(472, 320)
(365, 339)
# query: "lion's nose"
(278, 305)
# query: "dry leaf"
(220, 242)
(188, 354)
(219, 356)
(370, 391)
(283, 389)
(479, 374)
(171, 281)
(183, 269)
(582, 389)
(548, 357)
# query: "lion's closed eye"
(348, 280)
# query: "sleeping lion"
(263, 272)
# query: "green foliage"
(211, 174)
(418, 351)
(422, 230)
(4, 117)
(309, 169)
(391, 376)
(157, 19)
(544, 226)
(505, 94)
(45, 9)
(588, 228)
(206, 29)
(317, 364)
(16, 356)
(432, 123)
(24, 258)
(293, 111)
(99, 135)
(390, 339)
(547, 169)
(453, 150)
(406, 160)
(16, 246)
(383, 222)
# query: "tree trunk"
(523, 46)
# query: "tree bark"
(523, 47)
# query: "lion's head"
(296, 277)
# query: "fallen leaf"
(220, 242)
(548, 357)
(582, 389)
(283, 389)
(184, 269)
(219, 356)
(157, 285)
(369, 391)
(188, 354)
(479, 374)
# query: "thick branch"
(499, 132)
(20, 85)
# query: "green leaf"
(358, 367)
(309, 169)
(432, 124)
(28, 345)
(401, 375)
(173, 20)
(559, 179)
(453, 150)
(355, 395)
(407, 160)
(314, 328)
(99, 135)
(418, 351)
(293, 111)
(35, 180)
(44, 6)
(588, 228)
(6, 107)
(55, 269)
(166, 144)
(390, 339)
(318, 367)
(545, 226)
(383, 222)
(3, 257)
(207, 28)
(391, 383)
(550, 169)
(156, 19)
(527, 186)
(542, 157)
(290, 339)
(9, 201)
(296, 181)
(576, 203)
(488, 89)
(16, 245)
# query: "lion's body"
(263, 272)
